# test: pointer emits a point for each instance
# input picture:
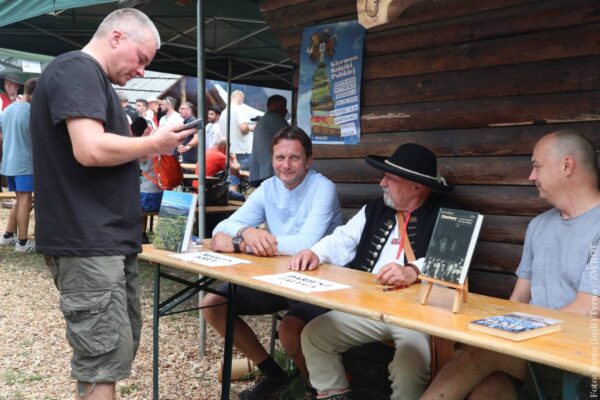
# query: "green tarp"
(13, 11)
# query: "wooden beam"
(501, 200)
(555, 76)
(499, 257)
(372, 13)
(510, 21)
(548, 45)
(456, 170)
(480, 113)
(510, 140)
(491, 283)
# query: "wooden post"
(373, 13)
(460, 294)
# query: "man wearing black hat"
(382, 238)
(11, 88)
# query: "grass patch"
(128, 389)
(13, 377)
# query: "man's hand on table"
(393, 274)
(222, 242)
(261, 242)
(306, 260)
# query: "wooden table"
(569, 350)
(188, 166)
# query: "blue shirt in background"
(16, 140)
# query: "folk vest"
(381, 222)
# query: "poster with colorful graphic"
(330, 77)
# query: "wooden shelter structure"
(478, 82)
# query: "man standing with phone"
(88, 214)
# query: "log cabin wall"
(478, 82)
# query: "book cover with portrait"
(452, 245)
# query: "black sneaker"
(265, 388)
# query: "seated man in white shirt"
(375, 240)
(298, 207)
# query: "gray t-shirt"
(560, 257)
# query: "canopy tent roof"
(234, 30)
(25, 65)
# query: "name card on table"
(210, 259)
(300, 282)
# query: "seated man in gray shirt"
(558, 269)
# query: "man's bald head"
(565, 143)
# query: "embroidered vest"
(381, 222)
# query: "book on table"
(175, 221)
(516, 326)
(452, 245)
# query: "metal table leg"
(156, 317)
(228, 351)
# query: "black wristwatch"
(237, 241)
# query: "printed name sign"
(210, 259)
(300, 282)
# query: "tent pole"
(229, 74)
(200, 72)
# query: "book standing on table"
(175, 221)
(452, 245)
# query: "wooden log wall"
(478, 82)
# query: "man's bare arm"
(522, 291)
(583, 305)
(92, 147)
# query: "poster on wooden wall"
(330, 78)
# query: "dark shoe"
(265, 388)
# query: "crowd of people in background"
(79, 146)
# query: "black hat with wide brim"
(413, 162)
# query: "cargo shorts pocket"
(90, 330)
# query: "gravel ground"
(34, 354)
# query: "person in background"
(17, 166)
(261, 166)
(11, 90)
(216, 161)
(153, 107)
(298, 206)
(88, 216)
(240, 134)
(188, 149)
(171, 116)
(212, 131)
(9, 96)
(142, 107)
(130, 110)
(558, 268)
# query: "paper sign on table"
(300, 282)
(210, 259)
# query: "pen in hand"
(390, 288)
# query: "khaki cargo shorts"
(99, 298)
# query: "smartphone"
(194, 124)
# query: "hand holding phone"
(198, 123)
